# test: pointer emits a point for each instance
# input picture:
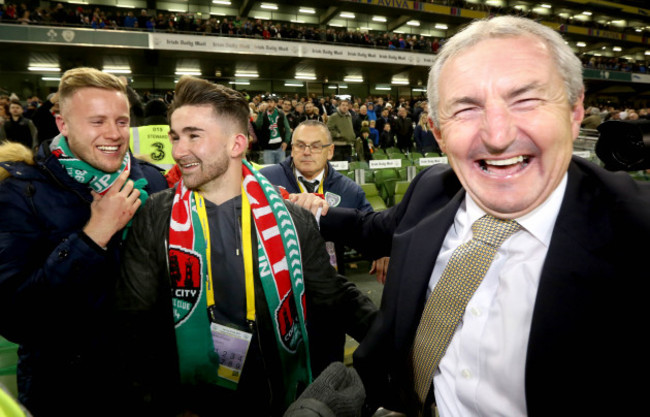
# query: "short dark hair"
(225, 101)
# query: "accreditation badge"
(232, 347)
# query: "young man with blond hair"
(64, 214)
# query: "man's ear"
(239, 146)
(577, 115)
(437, 134)
(60, 123)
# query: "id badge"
(232, 347)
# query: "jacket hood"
(12, 153)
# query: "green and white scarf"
(274, 128)
(96, 179)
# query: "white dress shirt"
(318, 177)
(482, 372)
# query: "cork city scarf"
(280, 271)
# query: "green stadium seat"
(385, 180)
(414, 156)
(373, 197)
(358, 165)
(392, 150)
(400, 190)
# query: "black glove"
(337, 392)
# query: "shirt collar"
(539, 222)
(318, 177)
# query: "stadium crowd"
(120, 18)
(378, 122)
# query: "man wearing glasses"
(308, 170)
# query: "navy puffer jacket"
(54, 282)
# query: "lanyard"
(247, 246)
(302, 189)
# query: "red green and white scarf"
(280, 271)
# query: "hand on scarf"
(109, 213)
(310, 201)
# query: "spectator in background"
(423, 136)
(143, 18)
(361, 116)
(341, 128)
(387, 137)
(4, 112)
(384, 119)
(130, 21)
(289, 113)
(364, 146)
(273, 131)
(45, 118)
(404, 130)
(374, 133)
(370, 106)
(593, 119)
(18, 128)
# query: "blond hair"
(85, 77)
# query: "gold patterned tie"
(445, 307)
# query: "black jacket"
(147, 328)
(589, 302)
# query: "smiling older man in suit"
(544, 316)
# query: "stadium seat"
(414, 156)
(379, 156)
(385, 180)
(373, 197)
(358, 165)
(400, 189)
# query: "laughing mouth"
(506, 166)
(189, 165)
(108, 148)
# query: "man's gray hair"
(315, 123)
(568, 63)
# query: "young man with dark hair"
(226, 292)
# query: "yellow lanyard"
(247, 246)
(320, 187)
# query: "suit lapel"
(571, 268)
(417, 249)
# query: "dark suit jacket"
(583, 349)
